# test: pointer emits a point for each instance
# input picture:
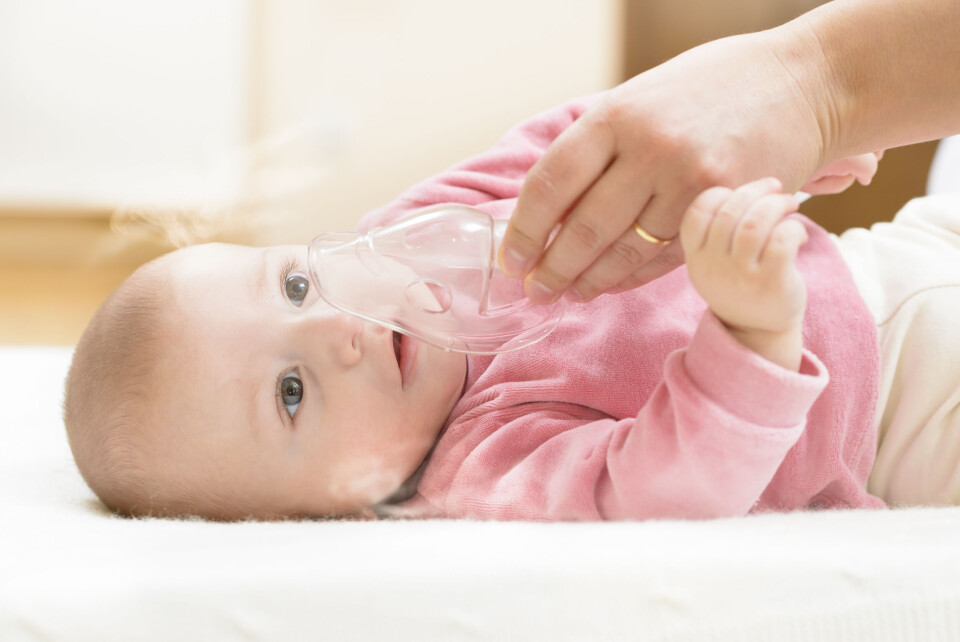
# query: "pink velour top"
(641, 405)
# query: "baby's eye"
(291, 392)
(295, 287)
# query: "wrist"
(876, 71)
(784, 348)
(820, 83)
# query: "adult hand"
(619, 179)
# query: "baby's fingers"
(720, 235)
(755, 227)
(785, 241)
(699, 215)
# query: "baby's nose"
(335, 332)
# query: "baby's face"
(290, 405)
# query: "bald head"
(108, 389)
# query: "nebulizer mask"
(434, 277)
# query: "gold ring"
(648, 237)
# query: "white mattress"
(71, 571)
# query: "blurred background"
(127, 128)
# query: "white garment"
(908, 271)
(945, 171)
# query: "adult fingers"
(571, 164)
(666, 261)
(693, 229)
(643, 242)
(632, 249)
(829, 184)
(865, 167)
(839, 175)
(597, 221)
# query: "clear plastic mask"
(432, 276)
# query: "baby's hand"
(741, 257)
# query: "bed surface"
(71, 571)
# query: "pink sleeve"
(706, 444)
(490, 181)
(712, 436)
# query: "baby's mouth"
(396, 346)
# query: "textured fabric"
(640, 405)
(909, 274)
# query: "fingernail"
(774, 183)
(573, 295)
(512, 263)
(539, 293)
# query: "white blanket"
(71, 571)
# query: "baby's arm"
(741, 257)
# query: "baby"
(215, 382)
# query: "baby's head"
(215, 382)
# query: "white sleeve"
(944, 174)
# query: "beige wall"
(347, 102)
(390, 92)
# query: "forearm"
(879, 73)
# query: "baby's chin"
(367, 487)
